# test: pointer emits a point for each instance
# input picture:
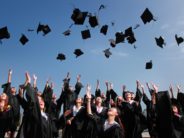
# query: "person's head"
(98, 101)
(78, 101)
(128, 96)
(3, 101)
(71, 88)
(133, 95)
(41, 103)
(112, 112)
(13, 90)
(175, 109)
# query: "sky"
(125, 66)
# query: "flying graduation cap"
(78, 17)
(129, 35)
(4, 34)
(147, 16)
(179, 40)
(43, 28)
(104, 29)
(85, 34)
(160, 41)
(149, 65)
(61, 57)
(23, 39)
(67, 32)
(112, 43)
(107, 53)
(93, 21)
(78, 52)
(120, 37)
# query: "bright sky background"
(125, 66)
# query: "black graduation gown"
(13, 101)
(5, 121)
(151, 116)
(164, 115)
(114, 131)
(33, 125)
(131, 120)
(68, 97)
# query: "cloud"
(120, 54)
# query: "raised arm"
(88, 97)
(171, 91)
(98, 91)
(78, 85)
(155, 91)
(10, 76)
(138, 91)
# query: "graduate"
(36, 123)
(13, 102)
(111, 128)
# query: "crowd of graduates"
(96, 115)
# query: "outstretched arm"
(88, 97)
(10, 76)
(171, 91)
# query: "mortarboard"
(147, 16)
(129, 32)
(160, 41)
(107, 53)
(67, 32)
(149, 65)
(78, 17)
(131, 39)
(85, 34)
(104, 29)
(4, 33)
(93, 21)
(78, 52)
(43, 28)
(120, 37)
(179, 40)
(23, 39)
(61, 57)
(112, 43)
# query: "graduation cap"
(160, 41)
(107, 53)
(43, 28)
(129, 32)
(23, 39)
(131, 39)
(78, 52)
(179, 40)
(149, 65)
(101, 7)
(147, 16)
(67, 32)
(104, 29)
(78, 17)
(112, 43)
(61, 57)
(93, 21)
(120, 37)
(4, 34)
(85, 34)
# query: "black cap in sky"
(93, 21)
(149, 65)
(129, 34)
(112, 43)
(160, 41)
(78, 17)
(147, 16)
(4, 34)
(61, 57)
(23, 39)
(120, 37)
(107, 53)
(85, 34)
(67, 32)
(78, 52)
(131, 39)
(179, 40)
(43, 28)
(104, 29)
